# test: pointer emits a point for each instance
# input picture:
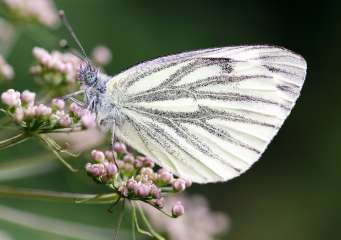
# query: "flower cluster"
(55, 70)
(40, 118)
(6, 70)
(135, 177)
(41, 11)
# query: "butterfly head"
(88, 74)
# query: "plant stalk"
(65, 197)
(21, 137)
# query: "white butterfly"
(205, 115)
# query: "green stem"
(149, 226)
(136, 223)
(44, 195)
(21, 137)
(56, 152)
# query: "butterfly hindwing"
(208, 115)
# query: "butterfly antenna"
(68, 26)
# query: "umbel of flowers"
(56, 72)
(136, 177)
(34, 119)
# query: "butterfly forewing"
(208, 115)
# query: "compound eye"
(88, 74)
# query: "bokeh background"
(293, 192)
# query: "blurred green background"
(293, 192)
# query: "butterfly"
(205, 115)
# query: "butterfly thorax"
(98, 98)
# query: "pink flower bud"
(165, 176)
(98, 156)
(148, 162)
(129, 158)
(160, 203)
(179, 185)
(119, 147)
(88, 121)
(138, 163)
(146, 171)
(18, 115)
(111, 168)
(65, 121)
(96, 170)
(155, 191)
(123, 190)
(28, 97)
(142, 190)
(39, 53)
(43, 110)
(11, 98)
(30, 112)
(76, 109)
(178, 210)
(110, 155)
(58, 103)
(131, 183)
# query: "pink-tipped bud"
(165, 176)
(30, 112)
(129, 158)
(43, 110)
(28, 97)
(148, 162)
(138, 163)
(98, 156)
(160, 203)
(119, 147)
(65, 121)
(179, 185)
(142, 190)
(155, 191)
(40, 53)
(75, 109)
(110, 155)
(124, 191)
(58, 104)
(11, 98)
(146, 171)
(96, 170)
(178, 210)
(131, 183)
(88, 121)
(111, 168)
(19, 115)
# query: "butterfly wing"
(208, 115)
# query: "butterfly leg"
(113, 140)
(71, 95)
(79, 103)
